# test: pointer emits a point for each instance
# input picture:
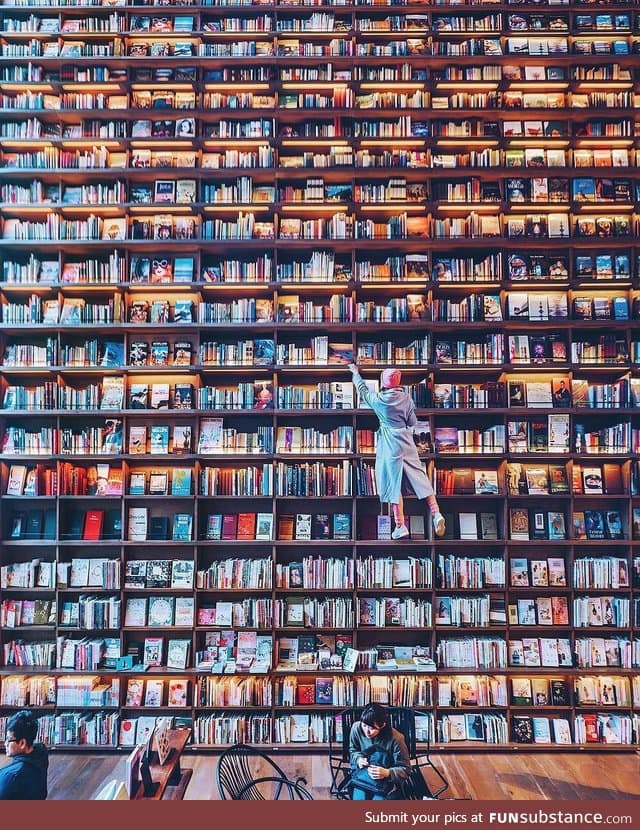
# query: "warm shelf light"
(159, 86)
(227, 85)
(314, 85)
(88, 142)
(315, 142)
(308, 206)
(405, 207)
(463, 87)
(392, 142)
(469, 142)
(87, 86)
(476, 207)
(226, 142)
(239, 206)
(160, 143)
(393, 85)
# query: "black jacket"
(25, 776)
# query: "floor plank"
(481, 776)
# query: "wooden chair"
(422, 767)
(246, 774)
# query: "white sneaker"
(401, 532)
(438, 524)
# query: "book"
(210, 436)
(264, 527)
(594, 524)
(178, 654)
(182, 527)
(519, 523)
(246, 526)
(303, 526)
(93, 520)
(342, 526)
(229, 526)
(137, 524)
(16, 480)
(159, 439)
(160, 611)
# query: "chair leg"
(339, 776)
(444, 784)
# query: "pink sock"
(433, 504)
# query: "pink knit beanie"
(390, 378)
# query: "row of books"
(109, 730)
(323, 266)
(535, 190)
(319, 571)
(93, 525)
(316, 652)
(291, 308)
(401, 20)
(514, 478)
(440, 43)
(242, 227)
(560, 392)
(470, 611)
(459, 691)
(264, 127)
(211, 78)
(339, 156)
(525, 524)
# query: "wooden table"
(171, 781)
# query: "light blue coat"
(396, 452)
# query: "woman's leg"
(437, 517)
(398, 511)
(360, 795)
(401, 531)
(433, 505)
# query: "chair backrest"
(400, 718)
(238, 769)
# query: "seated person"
(25, 776)
(379, 756)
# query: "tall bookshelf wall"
(205, 208)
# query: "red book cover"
(93, 525)
(591, 728)
(246, 525)
(229, 525)
(560, 610)
(305, 693)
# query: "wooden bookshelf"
(207, 210)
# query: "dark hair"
(375, 715)
(23, 725)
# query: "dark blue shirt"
(25, 776)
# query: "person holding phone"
(379, 756)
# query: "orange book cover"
(285, 527)
(246, 525)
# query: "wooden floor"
(480, 776)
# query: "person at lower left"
(24, 778)
(379, 756)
